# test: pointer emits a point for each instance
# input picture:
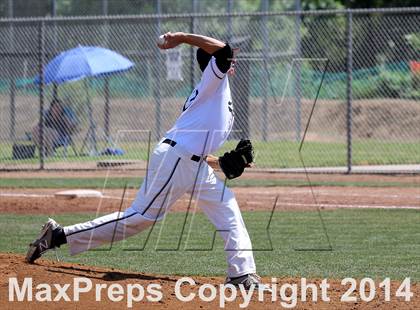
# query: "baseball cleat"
(248, 280)
(43, 243)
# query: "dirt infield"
(13, 266)
(42, 201)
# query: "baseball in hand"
(161, 40)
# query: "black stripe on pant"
(128, 216)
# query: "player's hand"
(171, 40)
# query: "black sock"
(58, 237)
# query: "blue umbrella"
(83, 61)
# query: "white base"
(78, 193)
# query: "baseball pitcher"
(181, 163)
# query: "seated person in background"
(59, 125)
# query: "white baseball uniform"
(176, 167)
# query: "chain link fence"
(31, 8)
(362, 65)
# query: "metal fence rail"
(368, 110)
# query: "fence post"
(107, 110)
(298, 73)
(193, 27)
(264, 119)
(53, 8)
(157, 75)
(349, 94)
(12, 82)
(41, 55)
(104, 7)
(229, 22)
(107, 107)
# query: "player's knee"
(154, 214)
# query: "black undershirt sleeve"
(224, 58)
(203, 59)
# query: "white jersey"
(207, 117)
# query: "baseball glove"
(234, 162)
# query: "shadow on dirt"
(106, 276)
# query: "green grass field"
(133, 182)
(365, 243)
(275, 154)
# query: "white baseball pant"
(171, 174)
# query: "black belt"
(173, 143)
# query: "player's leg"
(166, 183)
(219, 204)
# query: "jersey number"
(190, 99)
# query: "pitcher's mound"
(50, 273)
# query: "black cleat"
(248, 280)
(43, 243)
